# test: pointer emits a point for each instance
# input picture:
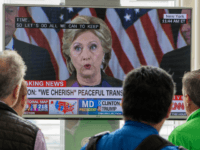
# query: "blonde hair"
(103, 34)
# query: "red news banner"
(178, 105)
(40, 106)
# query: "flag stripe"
(42, 41)
(166, 27)
(131, 32)
(162, 38)
(52, 40)
(152, 37)
(119, 51)
(127, 47)
(145, 45)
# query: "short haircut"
(191, 85)
(147, 94)
(103, 34)
(12, 72)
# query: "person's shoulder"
(112, 81)
(21, 44)
(182, 50)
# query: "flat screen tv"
(74, 74)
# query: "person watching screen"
(87, 52)
(187, 134)
(16, 132)
(146, 104)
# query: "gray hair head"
(191, 85)
(12, 72)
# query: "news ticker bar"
(57, 25)
(26, 22)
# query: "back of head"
(147, 94)
(191, 86)
(12, 71)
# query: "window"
(53, 131)
(146, 3)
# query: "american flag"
(138, 36)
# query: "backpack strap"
(94, 139)
(155, 142)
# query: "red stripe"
(134, 39)
(152, 37)
(23, 13)
(109, 72)
(121, 56)
(41, 41)
(166, 27)
(93, 12)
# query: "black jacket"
(16, 133)
(37, 60)
(177, 62)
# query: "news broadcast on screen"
(78, 57)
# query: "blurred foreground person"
(188, 134)
(16, 132)
(146, 104)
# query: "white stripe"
(51, 36)
(85, 11)
(21, 35)
(162, 38)
(126, 44)
(145, 45)
(115, 67)
(33, 41)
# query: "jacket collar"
(4, 106)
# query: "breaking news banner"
(74, 92)
(58, 89)
(63, 107)
(178, 106)
(37, 106)
(100, 107)
(25, 22)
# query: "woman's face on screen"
(87, 54)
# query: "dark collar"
(4, 106)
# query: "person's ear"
(169, 111)
(16, 92)
(188, 100)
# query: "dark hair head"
(191, 85)
(147, 94)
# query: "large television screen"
(77, 57)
